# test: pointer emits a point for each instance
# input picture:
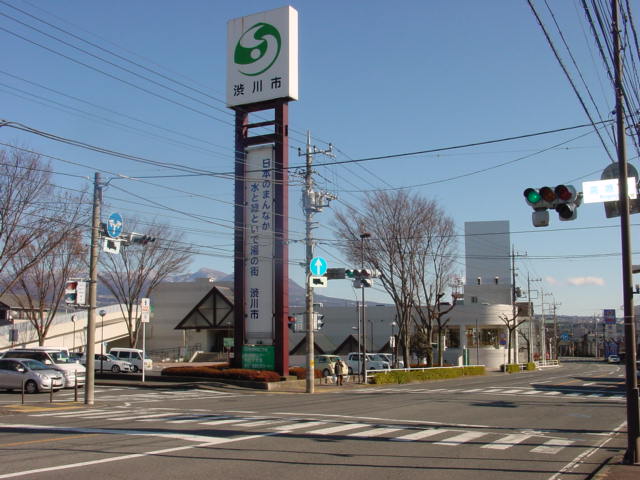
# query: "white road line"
(531, 392)
(552, 446)
(472, 390)
(461, 438)
(195, 418)
(224, 422)
(338, 428)
(261, 423)
(210, 442)
(429, 432)
(552, 393)
(512, 391)
(507, 441)
(297, 426)
(149, 417)
(374, 432)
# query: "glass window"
(470, 333)
(453, 337)
(489, 337)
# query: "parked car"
(354, 363)
(108, 363)
(34, 375)
(133, 356)
(56, 358)
(613, 359)
(388, 357)
(326, 364)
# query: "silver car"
(34, 375)
(108, 363)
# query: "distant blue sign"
(114, 225)
(609, 315)
(564, 337)
(318, 266)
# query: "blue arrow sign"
(318, 266)
(114, 225)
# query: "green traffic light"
(532, 195)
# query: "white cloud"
(551, 280)
(579, 281)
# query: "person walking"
(339, 371)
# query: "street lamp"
(363, 236)
(73, 320)
(102, 313)
(393, 346)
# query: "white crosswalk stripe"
(538, 442)
(461, 438)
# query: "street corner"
(32, 408)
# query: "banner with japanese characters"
(262, 57)
(259, 245)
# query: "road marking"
(261, 423)
(338, 428)
(532, 392)
(374, 432)
(150, 417)
(472, 390)
(297, 426)
(552, 393)
(512, 391)
(196, 418)
(552, 446)
(507, 441)
(44, 440)
(429, 432)
(224, 422)
(211, 441)
(461, 438)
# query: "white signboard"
(259, 245)
(145, 309)
(262, 57)
(606, 190)
(81, 292)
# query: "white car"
(613, 359)
(32, 375)
(109, 363)
(354, 363)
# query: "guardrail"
(547, 363)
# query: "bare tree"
(398, 223)
(433, 273)
(512, 323)
(31, 214)
(138, 269)
(40, 289)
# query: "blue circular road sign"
(114, 225)
(318, 266)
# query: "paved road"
(552, 424)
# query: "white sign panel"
(259, 245)
(262, 57)
(81, 292)
(606, 190)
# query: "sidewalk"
(615, 470)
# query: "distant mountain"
(215, 275)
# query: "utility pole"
(530, 311)
(313, 202)
(633, 415)
(89, 386)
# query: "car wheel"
(115, 369)
(135, 369)
(350, 371)
(325, 372)
(31, 387)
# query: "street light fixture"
(102, 313)
(393, 346)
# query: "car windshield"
(35, 365)
(111, 357)
(60, 357)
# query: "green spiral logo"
(257, 49)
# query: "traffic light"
(564, 199)
(75, 292)
(350, 273)
(140, 238)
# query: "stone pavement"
(616, 470)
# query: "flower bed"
(207, 371)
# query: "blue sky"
(376, 78)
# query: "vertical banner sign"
(262, 57)
(259, 245)
(609, 316)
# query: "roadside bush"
(301, 373)
(436, 373)
(511, 368)
(208, 371)
(531, 366)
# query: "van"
(55, 357)
(133, 356)
(354, 363)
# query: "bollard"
(75, 390)
(51, 392)
(23, 391)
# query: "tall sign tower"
(262, 77)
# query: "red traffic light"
(563, 193)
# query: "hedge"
(301, 373)
(402, 376)
(208, 371)
(531, 366)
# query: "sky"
(377, 78)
